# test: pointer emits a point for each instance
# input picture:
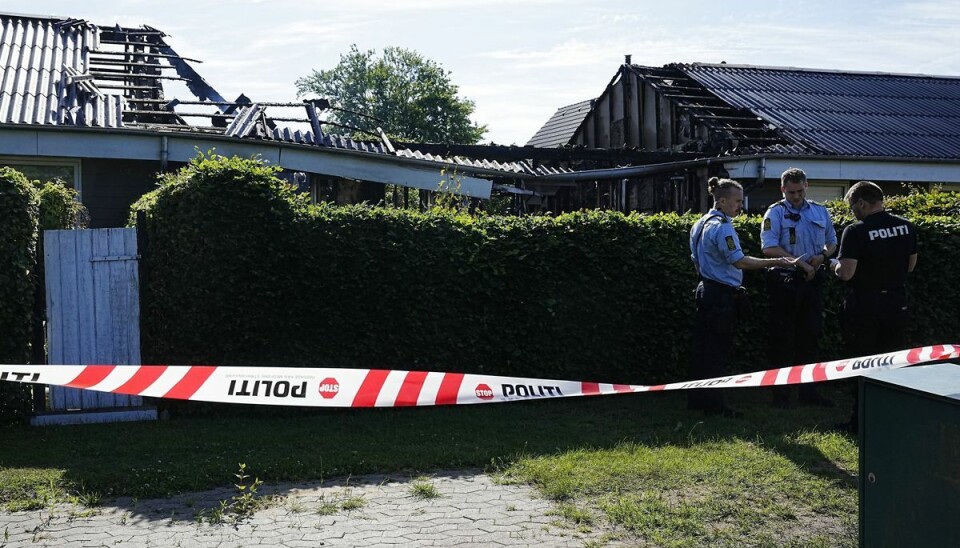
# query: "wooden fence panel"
(93, 310)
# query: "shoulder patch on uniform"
(767, 225)
(731, 245)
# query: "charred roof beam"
(133, 64)
(116, 42)
(141, 54)
(133, 76)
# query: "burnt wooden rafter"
(698, 103)
(130, 60)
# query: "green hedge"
(26, 208)
(241, 271)
(59, 207)
(19, 210)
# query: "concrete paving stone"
(495, 515)
(474, 510)
(460, 540)
(505, 529)
(394, 540)
(472, 490)
(331, 533)
(474, 544)
(364, 535)
(436, 512)
(284, 539)
(439, 528)
(449, 520)
(372, 526)
(382, 516)
(506, 537)
(511, 521)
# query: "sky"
(521, 60)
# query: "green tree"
(411, 97)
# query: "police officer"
(796, 227)
(876, 254)
(719, 261)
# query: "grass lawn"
(638, 467)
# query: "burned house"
(106, 108)
(751, 123)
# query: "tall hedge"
(26, 208)
(59, 207)
(19, 210)
(242, 271)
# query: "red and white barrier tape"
(332, 387)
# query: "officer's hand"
(816, 260)
(793, 262)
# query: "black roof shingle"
(845, 113)
(561, 127)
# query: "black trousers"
(874, 322)
(795, 325)
(714, 330)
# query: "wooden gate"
(93, 310)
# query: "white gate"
(93, 309)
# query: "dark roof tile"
(562, 126)
(846, 113)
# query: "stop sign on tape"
(329, 387)
(484, 392)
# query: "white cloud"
(306, 34)
(569, 54)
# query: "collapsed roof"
(799, 111)
(71, 73)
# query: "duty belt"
(720, 285)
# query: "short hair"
(720, 188)
(866, 191)
(793, 175)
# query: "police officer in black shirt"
(876, 254)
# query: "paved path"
(471, 510)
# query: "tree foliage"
(411, 97)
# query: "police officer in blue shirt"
(719, 261)
(796, 227)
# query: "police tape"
(334, 387)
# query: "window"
(826, 192)
(67, 170)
